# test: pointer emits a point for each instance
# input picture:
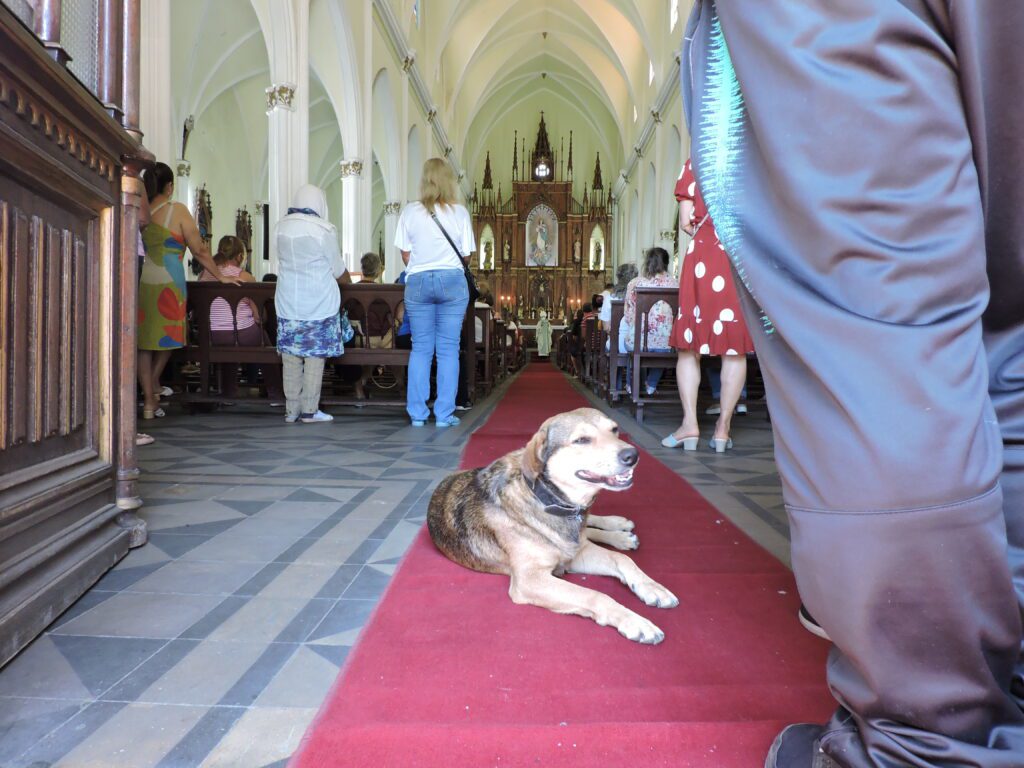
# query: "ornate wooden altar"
(70, 158)
(542, 248)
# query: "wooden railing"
(69, 198)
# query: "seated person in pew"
(403, 338)
(378, 325)
(231, 255)
(604, 312)
(655, 274)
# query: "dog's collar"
(554, 502)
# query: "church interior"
(196, 572)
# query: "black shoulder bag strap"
(474, 292)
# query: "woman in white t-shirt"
(436, 293)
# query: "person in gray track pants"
(863, 161)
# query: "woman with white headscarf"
(307, 301)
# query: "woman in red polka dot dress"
(709, 321)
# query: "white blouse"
(309, 265)
(419, 235)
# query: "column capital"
(184, 168)
(258, 207)
(392, 208)
(351, 167)
(280, 95)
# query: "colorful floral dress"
(310, 338)
(709, 321)
(659, 318)
(162, 289)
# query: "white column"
(393, 257)
(404, 193)
(156, 118)
(365, 216)
(259, 266)
(351, 193)
(287, 107)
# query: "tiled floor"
(270, 544)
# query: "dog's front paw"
(640, 630)
(655, 595)
(622, 539)
(617, 523)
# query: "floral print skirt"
(310, 338)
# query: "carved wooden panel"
(47, 306)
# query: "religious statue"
(543, 335)
(489, 255)
(577, 249)
(597, 263)
(508, 251)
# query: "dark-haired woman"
(243, 326)
(162, 290)
(653, 274)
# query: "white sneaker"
(166, 392)
(714, 410)
(291, 419)
(316, 418)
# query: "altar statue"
(543, 335)
(597, 264)
(508, 251)
(489, 255)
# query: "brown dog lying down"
(526, 515)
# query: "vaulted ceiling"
(587, 63)
(593, 66)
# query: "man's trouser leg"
(850, 205)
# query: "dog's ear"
(535, 454)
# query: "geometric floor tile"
(215, 643)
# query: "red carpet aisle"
(450, 673)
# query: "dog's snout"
(629, 456)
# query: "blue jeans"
(435, 303)
(715, 379)
(653, 375)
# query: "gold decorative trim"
(280, 95)
(351, 168)
(57, 130)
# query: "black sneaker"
(810, 624)
(798, 746)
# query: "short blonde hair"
(438, 184)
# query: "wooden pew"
(357, 299)
(612, 362)
(646, 299)
(498, 349)
(483, 347)
(468, 353)
(591, 351)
